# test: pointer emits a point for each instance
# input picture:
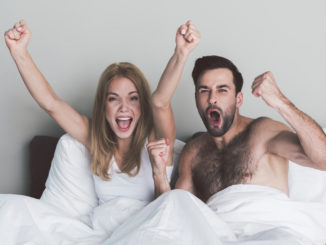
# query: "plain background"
(73, 41)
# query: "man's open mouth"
(214, 116)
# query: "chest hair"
(219, 168)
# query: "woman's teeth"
(124, 122)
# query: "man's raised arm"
(308, 146)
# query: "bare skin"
(77, 125)
(250, 151)
(188, 37)
(244, 160)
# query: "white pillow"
(173, 173)
(70, 184)
(307, 184)
(178, 146)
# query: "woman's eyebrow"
(112, 93)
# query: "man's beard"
(227, 116)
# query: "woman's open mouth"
(124, 123)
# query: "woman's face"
(122, 110)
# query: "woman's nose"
(123, 106)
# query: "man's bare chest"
(214, 169)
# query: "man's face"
(216, 100)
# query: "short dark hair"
(213, 62)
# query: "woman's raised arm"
(187, 38)
(69, 119)
(160, 151)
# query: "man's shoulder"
(196, 142)
(268, 124)
(193, 150)
(266, 128)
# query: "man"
(241, 150)
(239, 168)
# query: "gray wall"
(73, 41)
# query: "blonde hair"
(103, 139)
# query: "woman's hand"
(187, 38)
(17, 38)
(158, 152)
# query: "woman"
(124, 116)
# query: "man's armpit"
(287, 144)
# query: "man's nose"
(212, 98)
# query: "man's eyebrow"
(223, 86)
(202, 86)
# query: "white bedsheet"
(25, 220)
(240, 214)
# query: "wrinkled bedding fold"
(238, 215)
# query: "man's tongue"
(124, 124)
(215, 118)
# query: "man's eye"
(203, 91)
(222, 90)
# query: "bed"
(65, 209)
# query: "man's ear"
(196, 95)
(239, 99)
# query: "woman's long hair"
(103, 139)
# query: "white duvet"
(25, 220)
(240, 214)
(68, 212)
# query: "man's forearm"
(311, 135)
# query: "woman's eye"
(110, 99)
(134, 98)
